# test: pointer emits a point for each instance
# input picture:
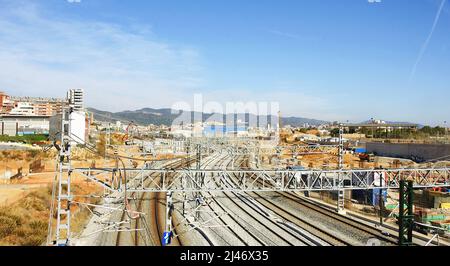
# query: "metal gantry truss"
(194, 180)
(244, 146)
(235, 150)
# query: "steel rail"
(139, 207)
(329, 213)
(298, 221)
(257, 239)
(342, 219)
(300, 237)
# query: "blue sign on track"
(167, 238)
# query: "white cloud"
(44, 56)
(120, 69)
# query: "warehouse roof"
(382, 125)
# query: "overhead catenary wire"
(113, 156)
(130, 213)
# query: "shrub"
(38, 226)
(33, 240)
(7, 226)
(34, 202)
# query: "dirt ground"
(24, 220)
(11, 161)
(10, 194)
(25, 200)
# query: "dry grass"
(25, 222)
(81, 214)
(80, 220)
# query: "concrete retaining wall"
(416, 152)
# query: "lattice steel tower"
(64, 179)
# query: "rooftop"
(377, 125)
(36, 99)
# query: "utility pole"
(64, 179)
(258, 156)
(279, 127)
(341, 196)
(198, 180)
(108, 135)
(167, 236)
(406, 215)
(380, 198)
(107, 138)
(341, 147)
(234, 154)
(445, 131)
(198, 156)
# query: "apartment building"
(32, 115)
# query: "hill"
(167, 116)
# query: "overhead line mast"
(64, 180)
(341, 193)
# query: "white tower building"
(76, 97)
(77, 118)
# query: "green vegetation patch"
(28, 139)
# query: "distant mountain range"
(167, 116)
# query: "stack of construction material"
(442, 224)
(427, 216)
(37, 166)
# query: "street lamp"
(373, 122)
(445, 130)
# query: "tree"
(334, 132)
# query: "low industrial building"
(19, 125)
(413, 151)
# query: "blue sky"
(325, 59)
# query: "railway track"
(321, 237)
(281, 225)
(234, 219)
(325, 235)
(347, 221)
(393, 231)
(159, 212)
(297, 237)
(276, 231)
(357, 227)
(155, 233)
